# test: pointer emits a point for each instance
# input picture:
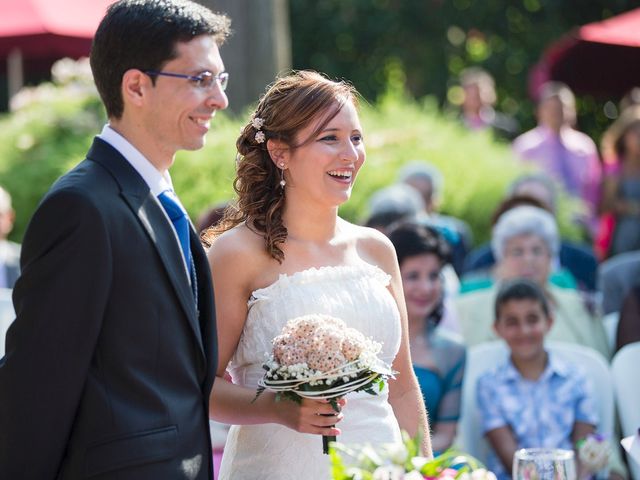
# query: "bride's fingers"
(324, 420)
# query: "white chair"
(6, 315)
(627, 393)
(485, 356)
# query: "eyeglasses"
(204, 80)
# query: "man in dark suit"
(9, 251)
(110, 361)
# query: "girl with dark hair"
(282, 252)
(438, 354)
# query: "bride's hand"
(311, 416)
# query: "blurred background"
(404, 56)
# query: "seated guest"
(393, 203)
(398, 202)
(438, 355)
(564, 409)
(482, 261)
(525, 243)
(578, 263)
(428, 181)
(629, 323)
(9, 251)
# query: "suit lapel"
(149, 213)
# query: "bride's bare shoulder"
(240, 247)
(372, 245)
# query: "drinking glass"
(544, 464)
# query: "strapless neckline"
(311, 273)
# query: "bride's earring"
(282, 180)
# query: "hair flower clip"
(257, 122)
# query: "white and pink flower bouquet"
(319, 357)
(594, 451)
(403, 462)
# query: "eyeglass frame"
(221, 79)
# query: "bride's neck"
(317, 225)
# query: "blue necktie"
(178, 217)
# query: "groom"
(112, 356)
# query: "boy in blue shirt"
(535, 399)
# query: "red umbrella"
(35, 33)
(49, 28)
(601, 58)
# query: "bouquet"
(593, 451)
(404, 462)
(319, 357)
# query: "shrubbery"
(54, 127)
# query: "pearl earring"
(282, 180)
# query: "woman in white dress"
(284, 252)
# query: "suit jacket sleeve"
(59, 300)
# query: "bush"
(52, 131)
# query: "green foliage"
(42, 141)
(396, 461)
(426, 44)
(51, 134)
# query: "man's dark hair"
(521, 289)
(143, 34)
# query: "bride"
(284, 252)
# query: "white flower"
(482, 474)
(260, 137)
(397, 453)
(257, 123)
(388, 472)
(413, 475)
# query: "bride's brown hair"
(290, 104)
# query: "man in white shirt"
(111, 359)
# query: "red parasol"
(601, 58)
(46, 28)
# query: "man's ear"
(134, 85)
(279, 152)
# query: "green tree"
(426, 43)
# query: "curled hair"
(290, 104)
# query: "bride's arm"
(233, 268)
(404, 392)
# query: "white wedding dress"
(359, 296)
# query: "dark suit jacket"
(109, 363)
(12, 263)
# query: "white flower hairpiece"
(257, 123)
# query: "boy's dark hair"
(143, 34)
(520, 289)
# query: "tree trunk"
(258, 49)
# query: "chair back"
(627, 393)
(485, 356)
(616, 277)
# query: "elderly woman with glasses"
(525, 243)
